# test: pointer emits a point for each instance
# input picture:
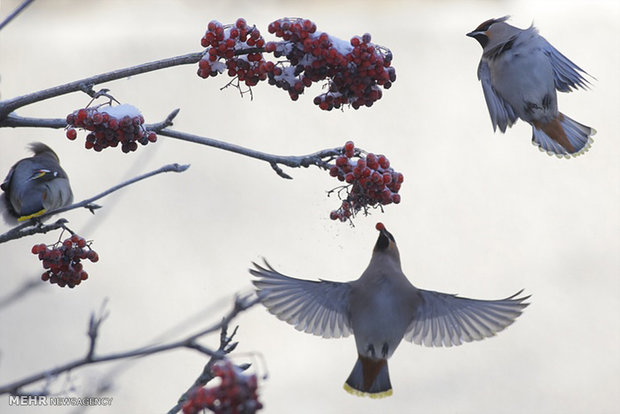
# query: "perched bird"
(379, 309)
(35, 185)
(520, 72)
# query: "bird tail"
(370, 377)
(6, 211)
(562, 136)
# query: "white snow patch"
(288, 75)
(219, 66)
(307, 59)
(342, 46)
(284, 48)
(119, 111)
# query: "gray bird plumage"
(520, 72)
(35, 185)
(381, 308)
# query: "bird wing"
(566, 74)
(317, 307)
(502, 114)
(444, 320)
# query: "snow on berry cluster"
(63, 260)
(222, 43)
(355, 71)
(237, 393)
(120, 124)
(371, 182)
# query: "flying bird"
(380, 309)
(35, 185)
(520, 72)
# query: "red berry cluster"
(121, 124)
(222, 42)
(370, 181)
(236, 394)
(355, 70)
(63, 261)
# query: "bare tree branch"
(33, 226)
(161, 128)
(241, 304)
(15, 12)
(13, 121)
(293, 161)
(86, 84)
(207, 374)
(8, 106)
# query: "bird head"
(41, 150)
(385, 239)
(385, 252)
(491, 29)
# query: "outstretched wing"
(565, 73)
(445, 320)
(317, 307)
(502, 114)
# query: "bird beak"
(481, 36)
(384, 239)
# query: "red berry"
(81, 115)
(71, 134)
(342, 161)
(93, 256)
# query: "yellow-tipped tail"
(28, 217)
(359, 393)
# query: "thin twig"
(24, 230)
(207, 372)
(161, 128)
(8, 106)
(241, 304)
(14, 121)
(86, 84)
(15, 12)
(293, 161)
